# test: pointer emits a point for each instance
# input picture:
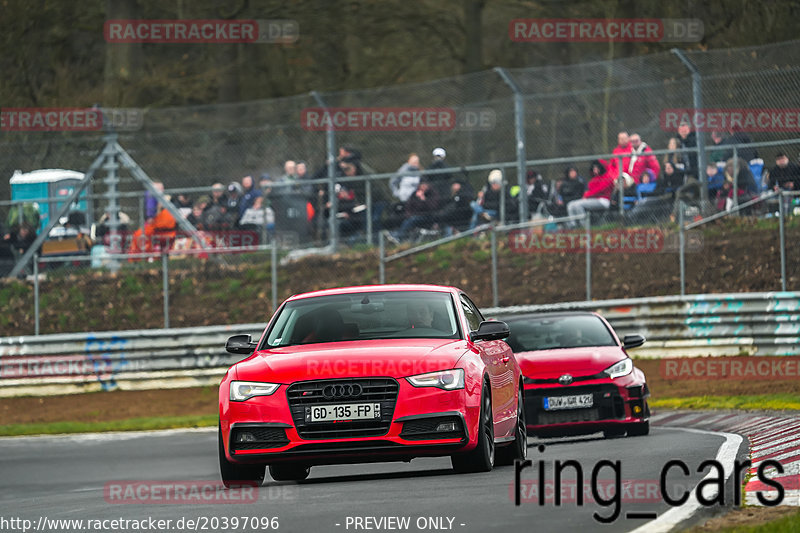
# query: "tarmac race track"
(89, 478)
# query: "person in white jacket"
(407, 179)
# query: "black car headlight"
(622, 368)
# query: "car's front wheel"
(480, 458)
(519, 448)
(289, 472)
(235, 474)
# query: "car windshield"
(365, 316)
(553, 332)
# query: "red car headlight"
(244, 390)
(446, 379)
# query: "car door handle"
(506, 359)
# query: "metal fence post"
(782, 233)
(697, 102)
(736, 171)
(368, 200)
(621, 185)
(682, 247)
(165, 285)
(36, 293)
(274, 273)
(381, 258)
(330, 145)
(495, 295)
(519, 123)
(587, 226)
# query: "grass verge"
(128, 424)
(724, 524)
(768, 402)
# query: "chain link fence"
(566, 112)
(545, 260)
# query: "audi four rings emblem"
(566, 379)
(342, 390)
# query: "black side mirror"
(240, 344)
(490, 330)
(632, 341)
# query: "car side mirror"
(240, 344)
(632, 341)
(490, 330)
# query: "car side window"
(474, 317)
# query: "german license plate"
(578, 401)
(350, 411)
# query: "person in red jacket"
(598, 191)
(641, 159)
(623, 149)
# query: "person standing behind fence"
(151, 202)
(420, 210)
(746, 187)
(407, 179)
(568, 189)
(785, 175)
(486, 207)
(688, 139)
(455, 212)
(235, 192)
(674, 157)
(642, 159)
(249, 194)
(159, 231)
(598, 192)
(441, 180)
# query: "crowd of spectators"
(422, 199)
(432, 199)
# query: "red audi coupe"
(578, 376)
(367, 374)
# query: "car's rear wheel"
(480, 458)
(639, 429)
(519, 448)
(289, 472)
(234, 474)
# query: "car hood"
(393, 358)
(547, 364)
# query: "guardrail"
(127, 360)
(757, 324)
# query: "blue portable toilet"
(53, 184)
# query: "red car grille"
(308, 393)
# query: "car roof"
(375, 288)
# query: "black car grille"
(607, 404)
(425, 428)
(265, 437)
(309, 393)
(554, 381)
